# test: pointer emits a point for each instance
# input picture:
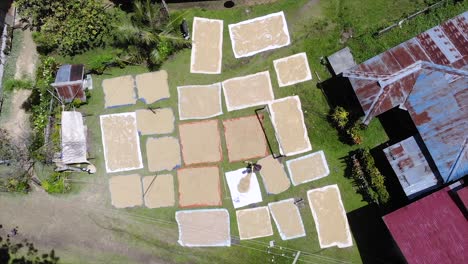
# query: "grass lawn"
(314, 28)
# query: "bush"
(340, 117)
(76, 103)
(70, 27)
(354, 133)
(349, 130)
(39, 105)
(98, 64)
(56, 183)
(370, 181)
(12, 84)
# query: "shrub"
(98, 64)
(370, 181)
(39, 105)
(340, 117)
(354, 133)
(349, 130)
(77, 103)
(55, 183)
(70, 27)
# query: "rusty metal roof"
(411, 167)
(446, 44)
(428, 75)
(438, 106)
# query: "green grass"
(316, 31)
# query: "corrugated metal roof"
(446, 44)
(438, 106)
(69, 73)
(430, 230)
(428, 76)
(410, 166)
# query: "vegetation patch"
(350, 128)
(367, 178)
(57, 183)
(69, 27)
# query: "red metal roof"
(463, 194)
(431, 230)
(446, 44)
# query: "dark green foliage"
(12, 252)
(39, 105)
(70, 27)
(149, 36)
(98, 64)
(369, 180)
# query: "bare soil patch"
(17, 122)
(27, 58)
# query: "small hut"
(70, 82)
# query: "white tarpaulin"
(244, 188)
(73, 138)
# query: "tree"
(70, 27)
(22, 253)
(149, 35)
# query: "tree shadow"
(397, 124)
(398, 196)
(374, 242)
(339, 92)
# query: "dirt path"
(81, 230)
(17, 123)
(26, 62)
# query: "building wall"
(71, 91)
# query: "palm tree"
(150, 35)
